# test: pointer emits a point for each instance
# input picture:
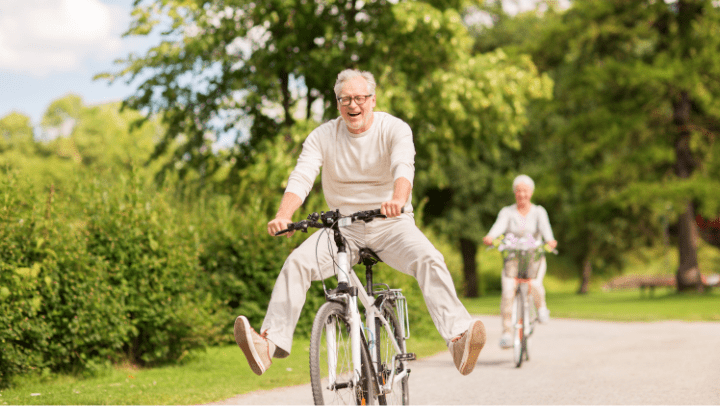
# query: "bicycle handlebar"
(512, 243)
(330, 218)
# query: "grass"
(218, 374)
(631, 305)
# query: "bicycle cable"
(317, 259)
(332, 256)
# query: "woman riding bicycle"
(522, 218)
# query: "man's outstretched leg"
(286, 302)
(257, 348)
(401, 245)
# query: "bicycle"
(352, 363)
(522, 261)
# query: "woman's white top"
(535, 223)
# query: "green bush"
(243, 261)
(153, 269)
(54, 305)
(98, 275)
(21, 325)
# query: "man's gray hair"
(349, 74)
(523, 179)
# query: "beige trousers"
(508, 293)
(398, 242)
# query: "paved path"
(572, 362)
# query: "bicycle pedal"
(408, 356)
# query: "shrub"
(153, 269)
(242, 260)
(102, 274)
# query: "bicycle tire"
(526, 328)
(532, 322)
(384, 351)
(518, 325)
(332, 317)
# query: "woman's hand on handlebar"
(392, 208)
(487, 240)
(279, 224)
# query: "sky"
(51, 48)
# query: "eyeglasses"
(345, 101)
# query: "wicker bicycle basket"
(522, 264)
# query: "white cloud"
(39, 37)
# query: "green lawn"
(222, 372)
(631, 305)
(217, 374)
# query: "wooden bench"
(650, 282)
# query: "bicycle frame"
(347, 277)
(524, 292)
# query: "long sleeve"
(302, 178)
(501, 225)
(544, 224)
(402, 159)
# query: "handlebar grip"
(379, 211)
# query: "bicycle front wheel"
(385, 350)
(531, 317)
(518, 326)
(331, 366)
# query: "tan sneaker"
(466, 347)
(257, 348)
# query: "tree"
(466, 114)
(99, 137)
(636, 87)
(243, 69)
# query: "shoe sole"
(243, 338)
(475, 343)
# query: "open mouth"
(353, 114)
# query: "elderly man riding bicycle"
(368, 162)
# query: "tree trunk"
(286, 98)
(308, 109)
(585, 278)
(688, 273)
(468, 248)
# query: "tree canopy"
(632, 122)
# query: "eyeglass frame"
(339, 99)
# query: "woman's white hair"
(523, 179)
(349, 74)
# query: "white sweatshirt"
(359, 170)
(536, 223)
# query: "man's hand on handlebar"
(392, 208)
(279, 224)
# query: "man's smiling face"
(358, 118)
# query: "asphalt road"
(571, 362)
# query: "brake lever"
(291, 227)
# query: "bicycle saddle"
(368, 257)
